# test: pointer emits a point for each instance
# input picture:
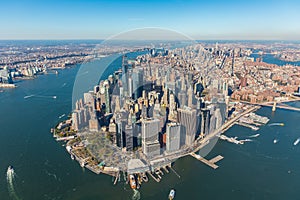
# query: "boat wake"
(136, 195)
(26, 97)
(276, 124)
(53, 175)
(10, 177)
(40, 96)
(254, 136)
(62, 116)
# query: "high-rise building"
(75, 121)
(190, 98)
(187, 118)
(129, 137)
(125, 75)
(182, 99)
(173, 136)
(88, 98)
(5, 76)
(232, 64)
(137, 77)
(151, 149)
(150, 132)
(94, 125)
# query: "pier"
(247, 125)
(211, 162)
(156, 179)
(231, 139)
(7, 85)
(65, 138)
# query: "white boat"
(72, 157)
(296, 141)
(10, 172)
(172, 194)
(275, 141)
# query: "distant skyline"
(201, 20)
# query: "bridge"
(281, 106)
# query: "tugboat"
(172, 194)
(132, 181)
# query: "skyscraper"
(150, 131)
(173, 136)
(187, 118)
(129, 137)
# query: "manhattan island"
(157, 108)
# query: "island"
(167, 104)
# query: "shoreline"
(90, 163)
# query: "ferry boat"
(172, 194)
(297, 142)
(132, 181)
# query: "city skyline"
(255, 20)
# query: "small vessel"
(172, 194)
(72, 157)
(132, 181)
(10, 170)
(10, 173)
(54, 97)
(276, 124)
(275, 141)
(296, 141)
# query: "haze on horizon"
(101, 19)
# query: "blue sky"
(92, 19)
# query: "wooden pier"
(211, 162)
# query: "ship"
(172, 194)
(297, 142)
(275, 141)
(132, 181)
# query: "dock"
(7, 85)
(65, 138)
(230, 139)
(255, 128)
(156, 179)
(211, 162)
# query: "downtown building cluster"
(155, 104)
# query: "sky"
(198, 19)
